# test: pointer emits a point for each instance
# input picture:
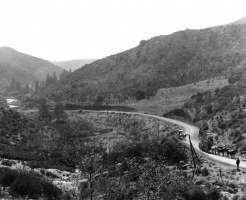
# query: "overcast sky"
(76, 29)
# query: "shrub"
(213, 194)
(243, 147)
(197, 193)
(7, 163)
(173, 151)
(8, 176)
(232, 185)
(28, 184)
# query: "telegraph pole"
(158, 131)
(194, 155)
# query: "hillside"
(167, 99)
(164, 61)
(220, 115)
(240, 21)
(23, 68)
(73, 64)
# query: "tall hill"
(164, 61)
(73, 64)
(23, 68)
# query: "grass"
(167, 99)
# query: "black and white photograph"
(123, 100)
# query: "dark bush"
(28, 184)
(213, 194)
(197, 193)
(173, 151)
(7, 163)
(7, 176)
(17, 154)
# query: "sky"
(60, 30)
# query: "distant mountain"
(73, 64)
(240, 21)
(23, 68)
(164, 61)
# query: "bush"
(7, 163)
(173, 150)
(28, 184)
(17, 154)
(197, 193)
(243, 147)
(213, 194)
(8, 176)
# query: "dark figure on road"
(238, 162)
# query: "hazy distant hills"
(23, 67)
(240, 21)
(73, 64)
(164, 61)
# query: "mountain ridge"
(73, 64)
(163, 61)
(23, 67)
(240, 21)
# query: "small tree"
(44, 112)
(90, 166)
(140, 94)
(59, 112)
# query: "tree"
(99, 100)
(36, 85)
(140, 94)
(44, 112)
(54, 77)
(59, 112)
(27, 88)
(90, 167)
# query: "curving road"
(193, 132)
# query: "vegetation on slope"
(23, 68)
(220, 114)
(164, 61)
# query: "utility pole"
(158, 131)
(194, 156)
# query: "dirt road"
(193, 132)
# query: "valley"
(118, 128)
